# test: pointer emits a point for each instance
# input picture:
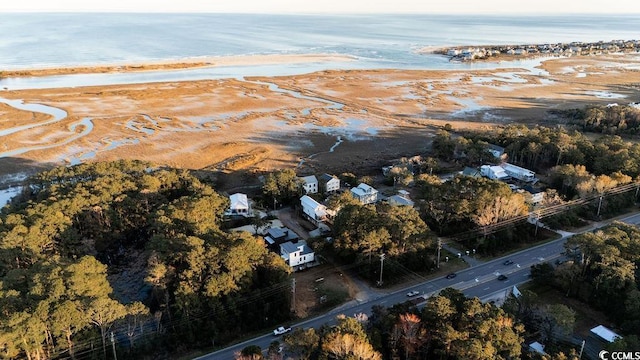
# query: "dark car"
(508, 262)
(502, 277)
(451, 276)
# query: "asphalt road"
(480, 281)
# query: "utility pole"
(293, 290)
(113, 346)
(381, 268)
(438, 258)
(599, 204)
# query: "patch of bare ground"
(314, 283)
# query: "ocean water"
(37, 40)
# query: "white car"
(413, 293)
(281, 330)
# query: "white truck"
(281, 330)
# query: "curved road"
(480, 281)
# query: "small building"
(310, 184)
(494, 172)
(329, 183)
(313, 210)
(537, 347)
(605, 333)
(240, 205)
(365, 194)
(400, 199)
(296, 253)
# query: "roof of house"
(403, 192)
(319, 209)
(537, 347)
(530, 189)
(605, 333)
(276, 233)
(239, 201)
(327, 177)
(497, 148)
(279, 233)
(290, 247)
(363, 189)
(469, 171)
(310, 179)
(400, 200)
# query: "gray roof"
(326, 177)
(400, 200)
(495, 148)
(290, 247)
(469, 171)
(276, 233)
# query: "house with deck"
(313, 210)
(240, 205)
(365, 194)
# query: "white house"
(497, 151)
(365, 194)
(329, 183)
(400, 199)
(534, 196)
(313, 209)
(310, 184)
(296, 254)
(493, 172)
(519, 173)
(239, 205)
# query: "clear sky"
(332, 6)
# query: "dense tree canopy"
(73, 245)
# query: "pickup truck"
(281, 330)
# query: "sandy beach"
(333, 121)
(178, 64)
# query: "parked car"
(507, 262)
(502, 277)
(413, 293)
(452, 275)
(281, 330)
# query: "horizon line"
(328, 13)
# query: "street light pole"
(381, 268)
(438, 259)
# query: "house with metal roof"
(296, 253)
(240, 205)
(365, 194)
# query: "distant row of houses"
(558, 49)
